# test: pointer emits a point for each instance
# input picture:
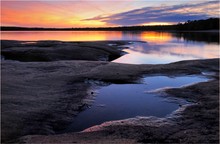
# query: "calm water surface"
(121, 101)
(159, 47)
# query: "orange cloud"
(42, 14)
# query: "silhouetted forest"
(208, 24)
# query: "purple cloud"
(174, 14)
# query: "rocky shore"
(43, 88)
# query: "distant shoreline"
(203, 31)
(167, 28)
(211, 24)
(125, 28)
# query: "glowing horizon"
(78, 14)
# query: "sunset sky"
(89, 13)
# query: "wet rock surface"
(40, 98)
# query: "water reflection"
(160, 47)
(157, 37)
(59, 35)
(208, 37)
(153, 53)
(87, 35)
(148, 36)
(121, 101)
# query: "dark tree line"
(124, 28)
(208, 24)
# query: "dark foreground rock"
(38, 99)
(45, 51)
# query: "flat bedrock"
(40, 98)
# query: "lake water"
(159, 47)
(121, 101)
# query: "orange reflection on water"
(61, 35)
(154, 37)
(158, 37)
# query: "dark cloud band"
(174, 14)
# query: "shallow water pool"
(121, 101)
